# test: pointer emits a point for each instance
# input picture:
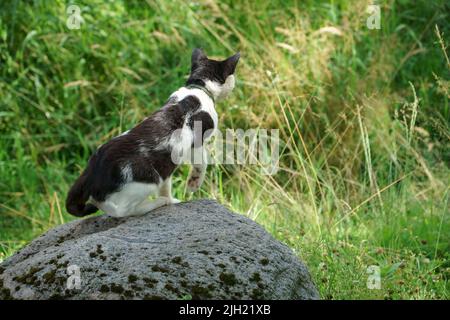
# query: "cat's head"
(216, 76)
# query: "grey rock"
(196, 250)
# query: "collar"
(196, 86)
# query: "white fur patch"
(179, 142)
(143, 149)
(182, 139)
(124, 202)
(221, 91)
(127, 173)
(124, 133)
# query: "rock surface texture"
(197, 250)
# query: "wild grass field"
(363, 117)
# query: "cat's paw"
(174, 201)
(194, 183)
(166, 201)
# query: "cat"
(122, 174)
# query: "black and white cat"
(124, 172)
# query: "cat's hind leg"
(130, 200)
(114, 210)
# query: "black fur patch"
(204, 119)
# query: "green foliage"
(363, 116)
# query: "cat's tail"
(78, 196)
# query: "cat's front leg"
(165, 191)
(198, 172)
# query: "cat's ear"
(197, 57)
(229, 65)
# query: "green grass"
(363, 116)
